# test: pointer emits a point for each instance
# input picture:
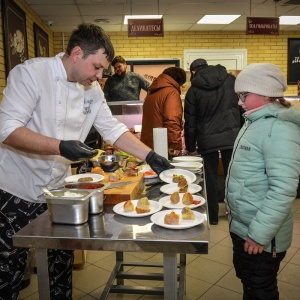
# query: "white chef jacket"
(39, 97)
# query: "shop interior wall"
(261, 48)
(31, 17)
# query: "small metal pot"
(96, 200)
(110, 163)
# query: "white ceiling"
(178, 15)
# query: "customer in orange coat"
(163, 108)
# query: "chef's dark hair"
(90, 38)
(177, 74)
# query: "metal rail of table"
(111, 232)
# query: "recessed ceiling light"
(141, 17)
(218, 19)
(289, 20)
(102, 21)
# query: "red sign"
(145, 27)
(262, 26)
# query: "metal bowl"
(110, 163)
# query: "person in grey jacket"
(212, 122)
(262, 179)
(124, 85)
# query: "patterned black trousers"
(15, 213)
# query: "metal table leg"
(42, 273)
(170, 276)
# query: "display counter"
(109, 231)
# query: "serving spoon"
(46, 191)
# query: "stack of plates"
(190, 163)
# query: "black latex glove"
(158, 163)
(76, 150)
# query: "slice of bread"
(128, 206)
(175, 198)
(187, 213)
(187, 198)
(172, 218)
(143, 206)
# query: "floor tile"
(296, 258)
(216, 292)
(288, 291)
(207, 270)
(231, 282)
(290, 274)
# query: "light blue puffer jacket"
(263, 176)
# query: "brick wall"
(262, 48)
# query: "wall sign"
(293, 61)
(262, 26)
(145, 27)
(15, 36)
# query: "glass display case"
(128, 112)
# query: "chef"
(48, 108)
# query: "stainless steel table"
(110, 232)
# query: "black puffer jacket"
(211, 111)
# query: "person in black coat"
(212, 122)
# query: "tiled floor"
(209, 277)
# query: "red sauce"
(84, 186)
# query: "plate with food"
(170, 188)
(180, 200)
(137, 208)
(187, 158)
(178, 218)
(86, 177)
(174, 175)
(148, 173)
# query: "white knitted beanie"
(261, 79)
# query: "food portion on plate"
(137, 208)
(143, 206)
(173, 187)
(86, 177)
(175, 175)
(174, 218)
(179, 200)
(178, 219)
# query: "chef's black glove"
(76, 150)
(158, 163)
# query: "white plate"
(173, 187)
(187, 164)
(155, 207)
(187, 158)
(148, 176)
(74, 178)
(167, 175)
(158, 219)
(166, 202)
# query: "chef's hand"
(76, 150)
(157, 163)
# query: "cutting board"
(123, 193)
